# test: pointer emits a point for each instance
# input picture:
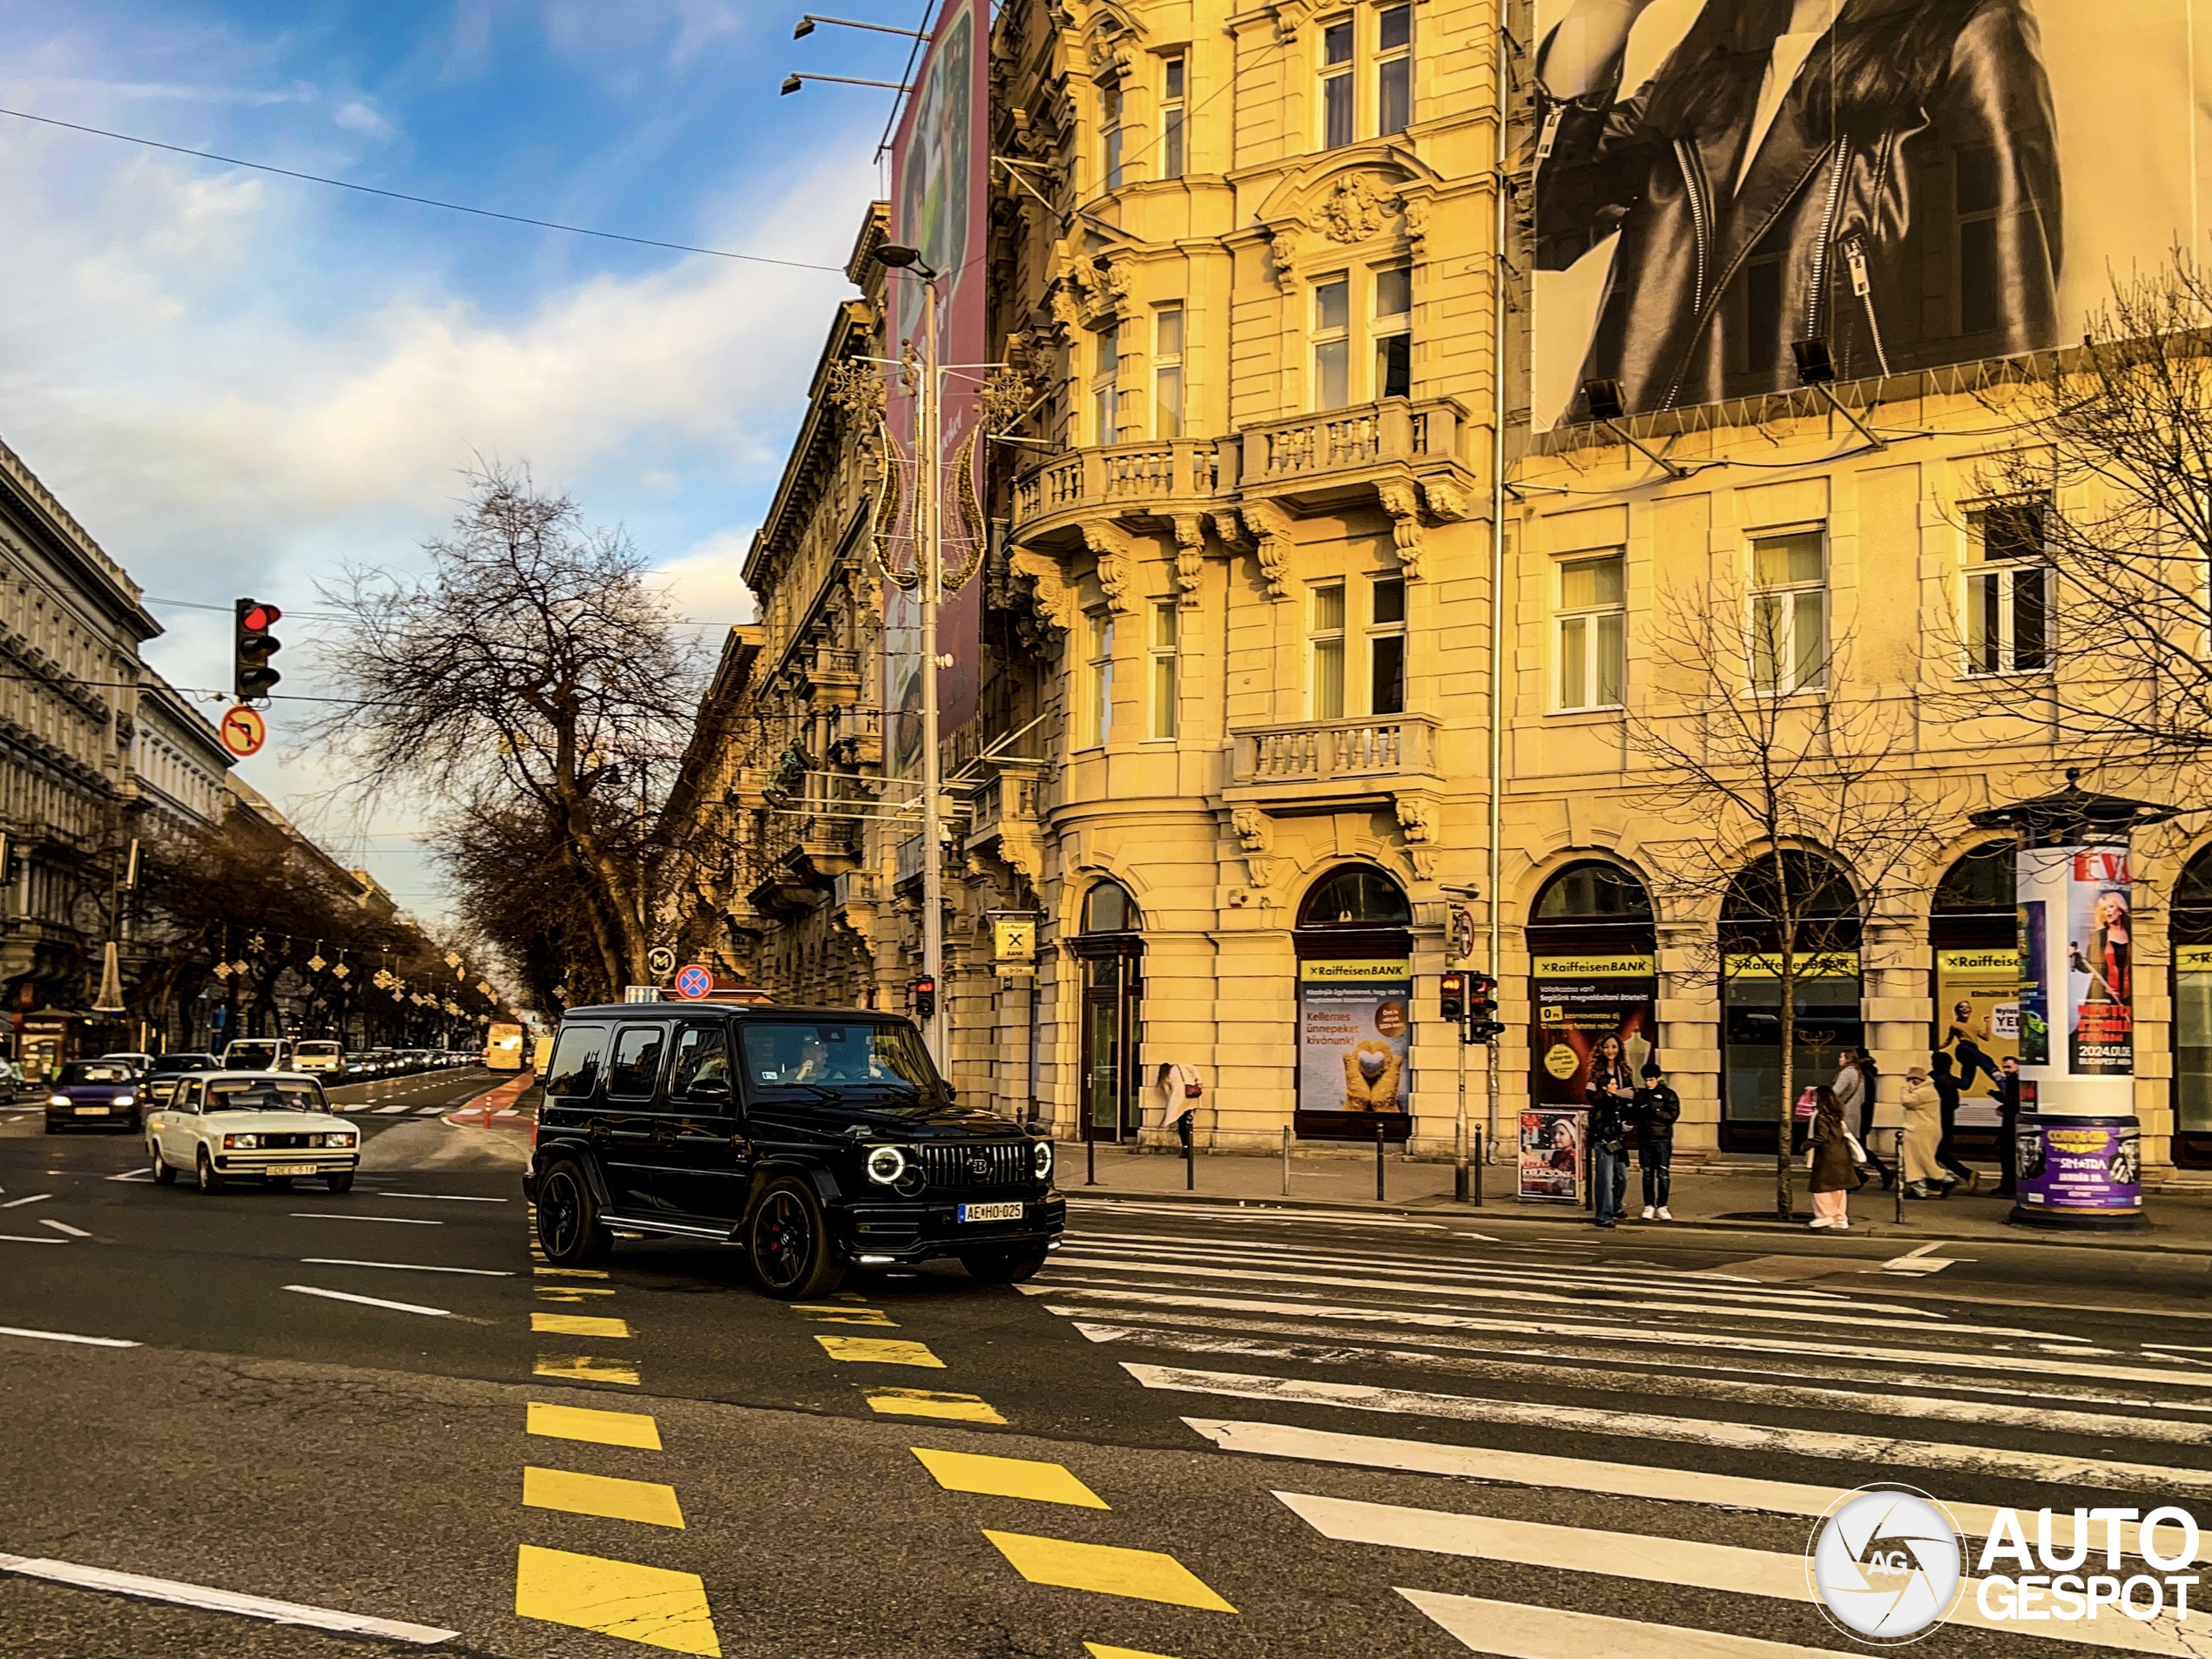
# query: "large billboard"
(939, 204)
(1925, 183)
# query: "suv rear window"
(798, 1054)
(575, 1068)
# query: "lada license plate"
(92, 1111)
(289, 1169)
(990, 1212)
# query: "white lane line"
(34, 1199)
(411, 1267)
(215, 1601)
(63, 1227)
(1649, 1336)
(1857, 1315)
(28, 1238)
(1923, 1406)
(448, 1197)
(1872, 1450)
(1674, 1561)
(428, 1111)
(1510, 1630)
(1657, 1483)
(372, 1301)
(133, 1175)
(65, 1336)
(1206, 1212)
(387, 1111)
(341, 1214)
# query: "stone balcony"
(830, 675)
(1339, 454)
(1119, 480)
(1326, 763)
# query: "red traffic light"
(261, 618)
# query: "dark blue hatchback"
(94, 1093)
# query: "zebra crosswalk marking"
(1678, 1561)
(1513, 1630)
(1872, 1451)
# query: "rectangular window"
(1394, 70)
(1789, 617)
(1387, 646)
(1590, 629)
(1105, 400)
(1167, 372)
(1102, 680)
(2008, 613)
(1166, 619)
(1109, 126)
(1171, 119)
(1325, 647)
(1393, 332)
(1336, 85)
(1332, 343)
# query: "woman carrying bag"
(1923, 1176)
(1834, 1171)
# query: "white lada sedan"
(222, 1126)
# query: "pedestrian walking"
(1833, 1174)
(2008, 1124)
(1947, 1092)
(1611, 1093)
(1656, 1108)
(1855, 1083)
(1179, 1090)
(1923, 1176)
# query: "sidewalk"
(1735, 1194)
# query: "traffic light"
(925, 998)
(250, 675)
(1482, 1008)
(1452, 997)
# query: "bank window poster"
(2100, 978)
(940, 197)
(1551, 1155)
(2193, 1037)
(1355, 1036)
(1583, 1007)
(1923, 183)
(1977, 1024)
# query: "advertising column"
(2079, 1154)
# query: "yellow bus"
(503, 1048)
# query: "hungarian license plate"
(289, 1169)
(92, 1111)
(990, 1212)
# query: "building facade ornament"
(1269, 525)
(1358, 207)
(1399, 500)
(1189, 555)
(1109, 545)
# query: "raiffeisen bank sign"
(1888, 1564)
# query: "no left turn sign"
(244, 731)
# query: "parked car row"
(119, 1090)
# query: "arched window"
(1109, 909)
(1356, 897)
(1802, 882)
(1593, 960)
(1593, 891)
(1981, 881)
(2191, 937)
(1825, 953)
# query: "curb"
(1428, 1210)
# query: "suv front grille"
(969, 1169)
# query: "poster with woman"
(1580, 1003)
(2101, 977)
(1355, 1038)
(1551, 1155)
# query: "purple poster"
(2088, 1166)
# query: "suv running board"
(678, 1228)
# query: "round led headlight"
(885, 1164)
(1041, 1159)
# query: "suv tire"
(1003, 1266)
(568, 1228)
(787, 1244)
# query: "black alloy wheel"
(210, 1180)
(568, 1219)
(1003, 1266)
(788, 1246)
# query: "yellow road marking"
(921, 1402)
(1100, 1651)
(601, 1429)
(601, 1494)
(571, 1293)
(645, 1604)
(880, 1351)
(579, 1324)
(568, 1272)
(586, 1368)
(1008, 1477)
(1142, 1574)
(842, 1313)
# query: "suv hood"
(891, 1119)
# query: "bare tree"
(2093, 536)
(1789, 787)
(534, 666)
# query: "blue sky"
(238, 382)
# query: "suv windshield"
(95, 1071)
(263, 1094)
(826, 1053)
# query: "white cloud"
(358, 115)
(706, 582)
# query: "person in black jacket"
(1611, 1093)
(1655, 1108)
(1948, 1091)
(2008, 1124)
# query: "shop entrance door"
(1112, 1110)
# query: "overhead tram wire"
(420, 201)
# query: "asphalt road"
(1204, 1432)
